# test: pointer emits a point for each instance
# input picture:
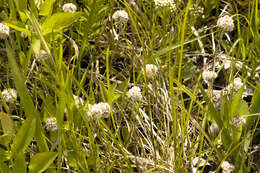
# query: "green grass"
(169, 126)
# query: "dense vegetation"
(129, 86)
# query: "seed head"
(226, 23)
(69, 8)
(120, 16)
(51, 124)
(4, 31)
(10, 95)
(134, 93)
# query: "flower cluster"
(134, 93)
(51, 124)
(120, 16)
(151, 70)
(237, 121)
(207, 76)
(69, 8)
(227, 167)
(98, 110)
(197, 11)
(235, 85)
(165, 3)
(226, 23)
(4, 31)
(10, 95)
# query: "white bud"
(207, 76)
(69, 8)
(134, 93)
(10, 95)
(226, 23)
(4, 31)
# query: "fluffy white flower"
(208, 75)
(10, 95)
(120, 16)
(78, 101)
(51, 124)
(227, 167)
(165, 3)
(151, 70)
(134, 93)
(98, 110)
(235, 85)
(69, 8)
(226, 23)
(4, 31)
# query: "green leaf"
(24, 135)
(7, 124)
(59, 21)
(41, 161)
(19, 163)
(4, 155)
(21, 5)
(255, 106)
(46, 7)
(4, 168)
(36, 45)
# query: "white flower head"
(235, 85)
(196, 161)
(226, 23)
(165, 3)
(4, 31)
(69, 8)
(214, 129)
(227, 167)
(207, 76)
(120, 16)
(151, 70)
(98, 110)
(51, 124)
(10, 95)
(78, 101)
(238, 120)
(134, 93)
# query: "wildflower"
(227, 167)
(98, 110)
(10, 95)
(78, 101)
(208, 75)
(226, 23)
(225, 60)
(69, 8)
(120, 16)
(134, 93)
(197, 11)
(4, 31)
(51, 124)
(165, 3)
(44, 55)
(151, 70)
(237, 121)
(235, 85)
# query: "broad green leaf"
(59, 21)
(5, 140)
(41, 161)
(18, 26)
(255, 107)
(21, 5)
(7, 124)
(46, 7)
(36, 45)
(236, 103)
(19, 163)
(24, 135)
